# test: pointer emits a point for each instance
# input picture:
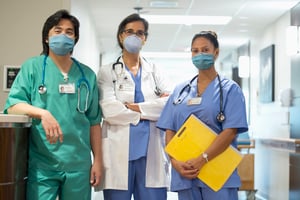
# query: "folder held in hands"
(191, 140)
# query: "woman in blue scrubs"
(62, 98)
(220, 104)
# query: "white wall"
(87, 49)
(271, 120)
(21, 31)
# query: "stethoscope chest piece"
(42, 89)
(221, 117)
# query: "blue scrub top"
(139, 134)
(173, 116)
(74, 153)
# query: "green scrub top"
(74, 153)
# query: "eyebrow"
(60, 28)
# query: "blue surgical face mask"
(133, 44)
(61, 44)
(203, 60)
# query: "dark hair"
(131, 18)
(210, 35)
(52, 21)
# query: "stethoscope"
(187, 88)
(82, 82)
(157, 91)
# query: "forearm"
(221, 142)
(169, 135)
(96, 142)
(26, 109)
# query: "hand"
(185, 169)
(164, 95)
(133, 106)
(51, 127)
(196, 163)
(96, 174)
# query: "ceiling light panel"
(163, 4)
(187, 19)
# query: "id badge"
(66, 88)
(126, 87)
(194, 101)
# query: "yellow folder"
(191, 140)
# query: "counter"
(290, 144)
(14, 132)
(277, 167)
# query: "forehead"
(201, 42)
(64, 23)
(139, 25)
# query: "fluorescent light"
(187, 19)
(167, 54)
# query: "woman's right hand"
(184, 169)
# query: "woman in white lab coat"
(133, 92)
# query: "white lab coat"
(117, 120)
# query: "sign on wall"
(9, 75)
(267, 74)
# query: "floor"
(173, 196)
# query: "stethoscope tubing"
(42, 88)
(221, 116)
(157, 90)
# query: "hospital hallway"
(276, 171)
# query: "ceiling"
(249, 19)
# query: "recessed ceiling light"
(187, 19)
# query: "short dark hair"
(52, 21)
(210, 35)
(131, 18)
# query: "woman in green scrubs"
(61, 96)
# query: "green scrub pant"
(48, 185)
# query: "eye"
(128, 31)
(140, 33)
(57, 30)
(194, 51)
(70, 32)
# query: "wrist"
(205, 156)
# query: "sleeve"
(235, 110)
(151, 110)
(21, 89)
(94, 112)
(114, 111)
(166, 121)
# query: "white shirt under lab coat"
(117, 87)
